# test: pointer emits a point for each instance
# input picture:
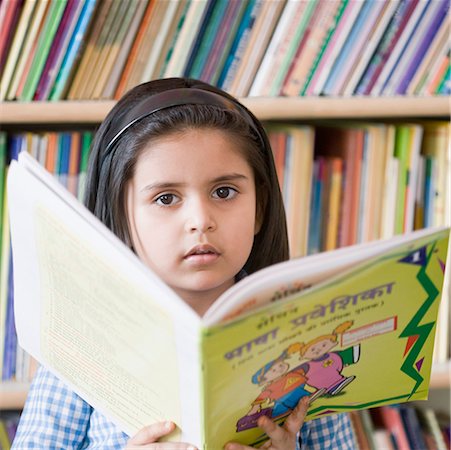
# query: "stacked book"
(98, 49)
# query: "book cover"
(291, 39)
(27, 50)
(318, 27)
(359, 431)
(133, 55)
(378, 31)
(58, 49)
(86, 140)
(115, 40)
(334, 170)
(172, 37)
(186, 38)
(80, 75)
(16, 46)
(196, 45)
(275, 52)
(9, 16)
(74, 162)
(352, 300)
(418, 48)
(385, 46)
(265, 24)
(412, 426)
(44, 43)
(73, 52)
(391, 418)
(239, 43)
(150, 35)
(316, 207)
(124, 53)
(204, 43)
(346, 142)
(4, 274)
(350, 51)
(396, 53)
(102, 47)
(165, 29)
(334, 46)
(439, 72)
(223, 42)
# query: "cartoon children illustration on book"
(323, 367)
(283, 388)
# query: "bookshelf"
(401, 38)
(47, 114)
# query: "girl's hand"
(280, 437)
(147, 438)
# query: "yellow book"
(354, 327)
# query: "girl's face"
(319, 348)
(192, 212)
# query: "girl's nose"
(200, 218)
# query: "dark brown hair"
(110, 167)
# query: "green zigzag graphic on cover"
(416, 332)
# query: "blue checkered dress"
(56, 418)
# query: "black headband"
(176, 97)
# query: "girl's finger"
(295, 420)
(152, 433)
(277, 435)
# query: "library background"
(355, 95)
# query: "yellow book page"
(361, 340)
(99, 332)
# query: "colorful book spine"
(72, 53)
(418, 51)
(44, 43)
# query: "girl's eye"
(225, 193)
(166, 199)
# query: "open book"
(353, 327)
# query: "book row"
(93, 49)
(401, 427)
(342, 184)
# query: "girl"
(183, 174)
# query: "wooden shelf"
(86, 112)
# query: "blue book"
(349, 46)
(424, 44)
(315, 224)
(239, 44)
(385, 45)
(73, 50)
(65, 140)
(412, 426)
(200, 36)
(208, 38)
(10, 345)
(402, 52)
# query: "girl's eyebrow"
(173, 185)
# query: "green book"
(283, 69)
(324, 45)
(208, 38)
(52, 21)
(401, 152)
(85, 148)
